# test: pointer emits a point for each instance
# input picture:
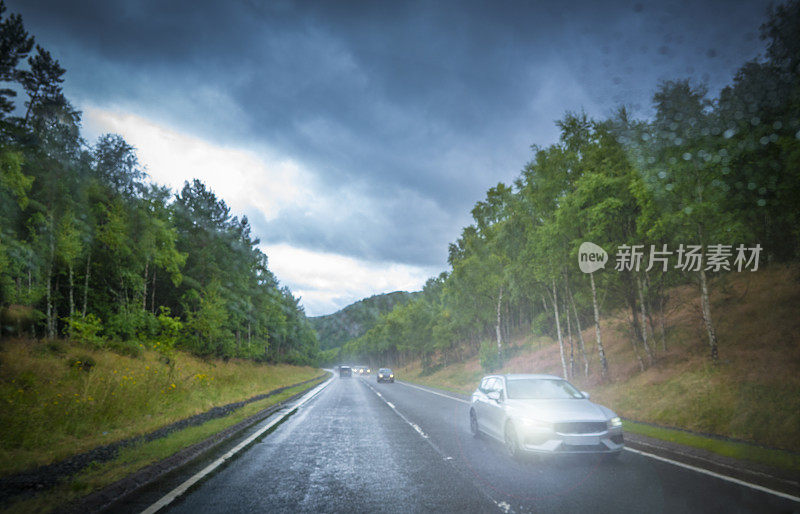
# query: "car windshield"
(385, 370)
(541, 389)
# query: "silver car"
(543, 414)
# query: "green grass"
(53, 406)
(137, 457)
(734, 449)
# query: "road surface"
(359, 446)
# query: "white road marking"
(505, 507)
(432, 392)
(652, 456)
(717, 475)
(181, 489)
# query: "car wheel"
(473, 424)
(511, 441)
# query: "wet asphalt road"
(406, 449)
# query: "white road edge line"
(652, 456)
(717, 475)
(432, 392)
(181, 489)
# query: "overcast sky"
(357, 136)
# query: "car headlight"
(535, 424)
(391, 376)
(614, 422)
(380, 375)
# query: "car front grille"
(594, 448)
(580, 427)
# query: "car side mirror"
(495, 395)
(585, 394)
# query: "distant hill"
(354, 320)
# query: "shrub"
(82, 362)
(85, 330)
(133, 323)
(490, 360)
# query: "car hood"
(556, 411)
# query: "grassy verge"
(460, 378)
(734, 449)
(60, 399)
(134, 458)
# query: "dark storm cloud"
(428, 102)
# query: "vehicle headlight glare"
(614, 422)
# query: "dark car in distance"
(345, 371)
(385, 375)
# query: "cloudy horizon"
(357, 136)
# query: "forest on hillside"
(91, 250)
(705, 187)
(333, 330)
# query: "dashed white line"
(505, 507)
(181, 489)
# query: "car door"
(495, 411)
(482, 402)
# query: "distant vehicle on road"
(345, 371)
(385, 375)
(543, 414)
(361, 370)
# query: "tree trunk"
(558, 330)
(642, 306)
(580, 333)
(630, 296)
(712, 334)
(600, 349)
(49, 313)
(55, 306)
(49, 308)
(569, 338)
(71, 297)
(86, 282)
(662, 322)
(144, 286)
(153, 292)
(497, 328)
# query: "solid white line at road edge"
(653, 456)
(717, 475)
(178, 491)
